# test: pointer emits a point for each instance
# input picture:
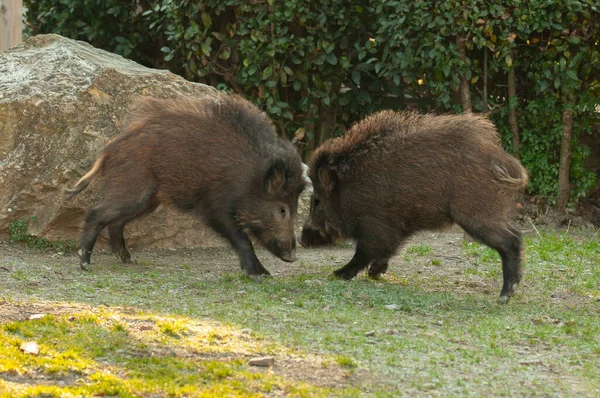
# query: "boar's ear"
(275, 177)
(327, 178)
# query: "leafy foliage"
(18, 232)
(316, 67)
(114, 25)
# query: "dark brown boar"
(216, 158)
(396, 173)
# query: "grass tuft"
(18, 232)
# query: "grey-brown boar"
(216, 158)
(396, 173)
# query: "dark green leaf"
(225, 54)
(206, 20)
(206, 47)
(267, 72)
(331, 58)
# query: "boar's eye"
(316, 201)
(282, 211)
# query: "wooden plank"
(11, 23)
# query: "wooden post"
(465, 89)
(564, 166)
(513, 122)
(11, 23)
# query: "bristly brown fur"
(373, 135)
(396, 173)
(217, 157)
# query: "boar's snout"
(289, 257)
(285, 251)
(312, 236)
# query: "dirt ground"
(214, 262)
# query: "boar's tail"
(86, 179)
(511, 174)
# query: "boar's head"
(322, 226)
(270, 215)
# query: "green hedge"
(316, 67)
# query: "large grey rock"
(61, 101)
(304, 200)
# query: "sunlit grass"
(117, 354)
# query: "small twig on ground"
(594, 236)
(533, 225)
(531, 362)
(568, 227)
(5, 269)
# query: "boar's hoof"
(258, 272)
(376, 269)
(374, 275)
(84, 266)
(253, 268)
(344, 274)
(507, 293)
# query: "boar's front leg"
(248, 260)
(377, 244)
(242, 246)
(359, 262)
(378, 267)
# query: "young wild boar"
(216, 158)
(396, 173)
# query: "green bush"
(114, 25)
(316, 67)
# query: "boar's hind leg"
(360, 261)
(115, 230)
(506, 240)
(117, 241)
(95, 221)
(115, 209)
(249, 263)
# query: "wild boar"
(218, 159)
(396, 173)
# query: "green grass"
(419, 250)
(147, 330)
(345, 361)
(559, 260)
